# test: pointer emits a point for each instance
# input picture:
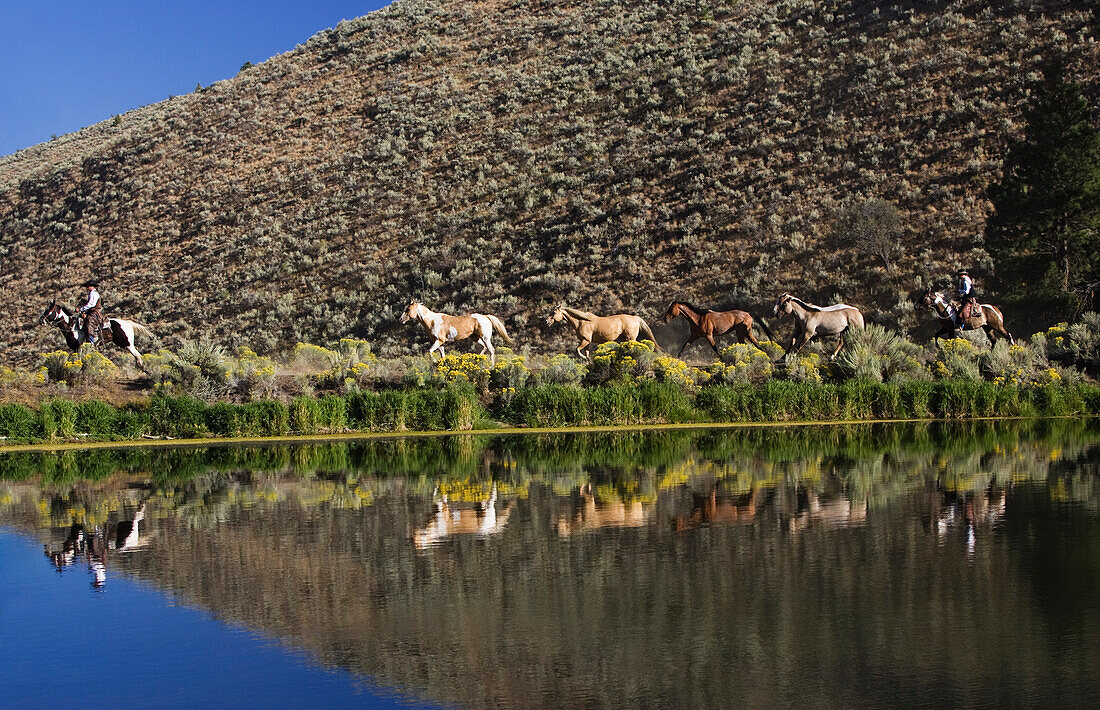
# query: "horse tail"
(139, 328)
(645, 328)
(498, 326)
(764, 327)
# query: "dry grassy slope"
(501, 156)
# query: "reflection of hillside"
(687, 588)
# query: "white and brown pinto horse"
(447, 329)
(818, 321)
(118, 331)
(593, 329)
(992, 321)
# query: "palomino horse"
(818, 321)
(445, 328)
(593, 329)
(992, 321)
(115, 330)
(712, 324)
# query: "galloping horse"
(593, 329)
(992, 321)
(712, 324)
(115, 330)
(445, 328)
(818, 321)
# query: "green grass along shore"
(459, 408)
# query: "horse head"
(557, 316)
(411, 312)
(928, 298)
(783, 303)
(51, 315)
(672, 312)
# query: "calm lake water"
(921, 565)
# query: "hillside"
(502, 156)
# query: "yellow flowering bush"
(463, 367)
(71, 368)
(806, 368)
(957, 359)
(740, 362)
(669, 369)
(252, 375)
(509, 373)
(632, 359)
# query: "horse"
(445, 328)
(118, 331)
(712, 324)
(818, 321)
(992, 321)
(593, 329)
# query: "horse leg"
(581, 349)
(137, 357)
(487, 344)
(691, 339)
(990, 334)
(710, 339)
(838, 347)
(438, 345)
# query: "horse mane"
(698, 311)
(65, 310)
(808, 306)
(578, 313)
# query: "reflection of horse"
(971, 509)
(593, 329)
(115, 330)
(714, 509)
(818, 321)
(713, 324)
(592, 515)
(992, 321)
(94, 548)
(830, 512)
(445, 328)
(448, 519)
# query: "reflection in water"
(851, 566)
(93, 548)
(455, 518)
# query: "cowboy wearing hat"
(92, 311)
(967, 298)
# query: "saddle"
(969, 318)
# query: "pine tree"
(1044, 233)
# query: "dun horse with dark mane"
(818, 321)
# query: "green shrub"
(58, 418)
(265, 417)
(96, 419)
(18, 422)
(181, 417)
(222, 419)
(878, 354)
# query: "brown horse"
(991, 320)
(714, 324)
(593, 329)
(445, 328)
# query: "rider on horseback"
(92, 312)
(967, 298)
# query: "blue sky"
(69, 64)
